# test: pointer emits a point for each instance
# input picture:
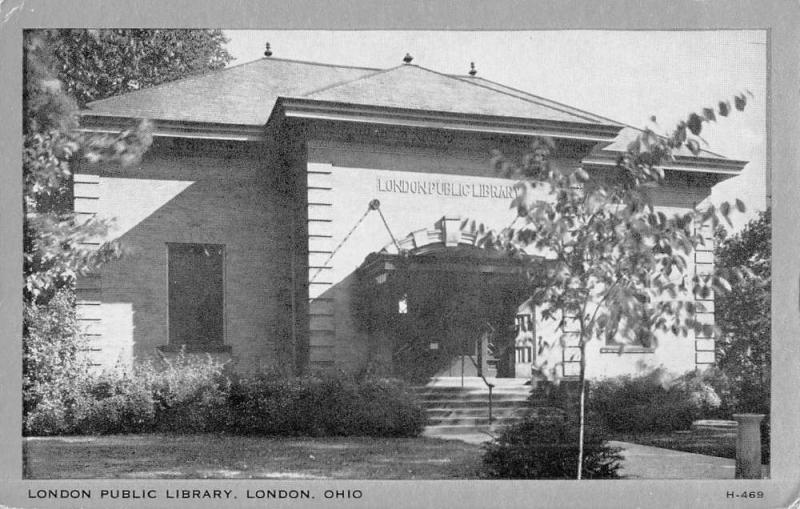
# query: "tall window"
(195, 296)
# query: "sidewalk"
(646, 462)
(643, 461)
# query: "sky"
(627, 76)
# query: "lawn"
(708, 442)
(206, 456)
(720, 443)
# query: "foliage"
(95, 64)
(50, 354)
(547, 448)
(324, 406)
(744, 314)
(610, 265)
(191, 395)
(651, 402)
(60, 66)
(186, 394)
(65, 69)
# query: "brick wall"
(196, 193)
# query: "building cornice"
(93, 123)
(309, 109)
(724, 168)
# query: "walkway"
(646, 462)
(643, 461)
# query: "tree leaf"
(695, 124)
(724, 108)
(708, 113)
(740, 101)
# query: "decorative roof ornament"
(408, 58)
(268, 51)
(472, 70)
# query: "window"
(638, 341)
(195, 282)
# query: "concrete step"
(464, 429)
(437, 399)
(482, 418)
(475, 410)
(455, 404)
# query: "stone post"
(748, 446)
(483, 354)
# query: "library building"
(304, 216)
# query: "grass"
(708, 442)
(720, 443)
(207, 456)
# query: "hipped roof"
(246, 95)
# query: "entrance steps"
(453, 409)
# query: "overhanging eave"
(293, 108)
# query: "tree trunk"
(582, 406)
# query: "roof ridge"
(172, 82)
(224, 69)
(309, 62)
(624, 124)
(347, 82)
(467, 81)
(578, 112)
(449, 76)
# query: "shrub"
(652, 402)
(114, 402)
(185, 395)
(190, 394)
(51, 367)
(547, 448)
(323, 405)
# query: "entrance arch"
(427, 299)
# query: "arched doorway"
(429, 305)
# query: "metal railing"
(479, 364)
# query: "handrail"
(488, 384)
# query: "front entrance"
(431, 310)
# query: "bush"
(190, 394)
(651, 402)
(183, 395)
(114, 402)
(193, 395)
(323, 406)
(547, 448)
(51, 367)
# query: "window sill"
(622, 349)
(195, 348)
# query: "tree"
(64, 69)
(743, 314)
(60, 66)
(95, 64)
(610, 264)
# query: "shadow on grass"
(224, 456)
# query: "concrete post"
(748, 445)
(483, 354)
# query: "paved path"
(645, 462)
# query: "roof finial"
(408, 58)
(268, 52)
(472, 70)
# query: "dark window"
(195, 296)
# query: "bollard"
(748, 445)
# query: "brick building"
(249, 231)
